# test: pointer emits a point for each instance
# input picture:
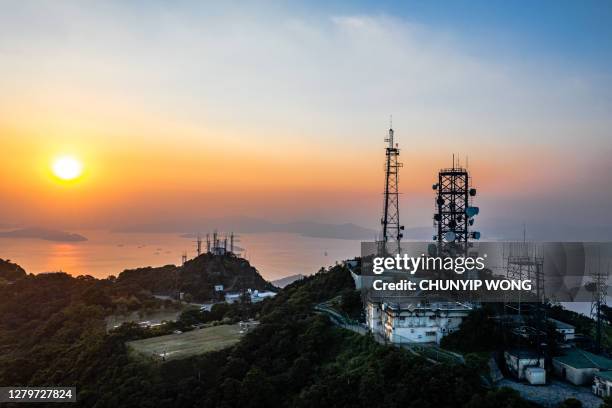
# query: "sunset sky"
(186, 109)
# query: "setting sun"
(67, 168)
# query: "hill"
(10, 271)
(197, 277)
(53, 332)
(287, 280)
(44, 234)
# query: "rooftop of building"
(578, 358)
(605, 375)
(524, 353)
(443, 306)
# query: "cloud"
(283, 84)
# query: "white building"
(602, 384)
(521, 362)
(579, 366)
(567, 330)
(256, 295)
(414, 322)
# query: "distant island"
(44, 234)
(311, 229)
(287, 280)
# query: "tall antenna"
(600, 291)
(454, 214)
(391, 228)
(184, 258)
(199, 244)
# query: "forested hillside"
(52, 332)
(197, 277)
(10, 271)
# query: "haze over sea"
(275, 255)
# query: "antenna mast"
(391, 228)
(600, 292)
(199, 244)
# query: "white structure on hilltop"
(413, 322)
(526, 365)
(254, 294)
(401, 319)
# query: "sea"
(275, 255)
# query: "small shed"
(518, 360)
(579, 366)
(535, 375)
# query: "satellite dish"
(440, 201)
(472, 211)
(434, 187)
(472, 192)
(450, 236)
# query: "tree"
(571, 403)
(350, 304)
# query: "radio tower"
(391, 228)
(199, 245)
(454, 214)
(599, 288)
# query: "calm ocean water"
(105, 253)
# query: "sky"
(279, 110)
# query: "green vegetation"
(470, 338)
(53, 332)
(196, 278)
(571, 403)
(10, 271)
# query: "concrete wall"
(577, 376)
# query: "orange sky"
(174, 115)
(130, 178)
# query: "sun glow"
(67, 168)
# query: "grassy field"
(189, 343)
